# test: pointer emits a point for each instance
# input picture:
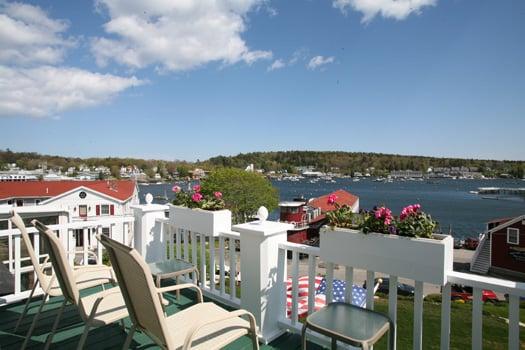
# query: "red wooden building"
(308, 216)
(504, 243)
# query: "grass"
(495, 329)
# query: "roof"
(291, 204)
(499, 220)
(343, 198)
(118, 189)
(507, 224)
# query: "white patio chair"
(98, 309)
(86, 277)
(201, 326)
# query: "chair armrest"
(109, 277)
(89, 252)
(182, 286)
(232, 314)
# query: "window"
(104, 209)
(82, 210)
(105, 231)
(19, 203)
(513, 236)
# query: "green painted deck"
(109, 337)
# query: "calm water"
(449, 201)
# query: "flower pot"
(202, 221)
(421, 259)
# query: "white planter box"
(420, 259)
(202, 221)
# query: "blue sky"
(194, 79)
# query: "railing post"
(148, 240)
(260, 289)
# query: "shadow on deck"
(109, 337)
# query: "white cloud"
(29, 36)
(31, 81)
(176, 35)
(277, 64)
(397, 9)
(319, 61)
(47, 91)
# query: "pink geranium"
(217, 194)
(409, 210)
(197, 188)
(385, 214)
(332, 199)
(176, 189)
(196, 197)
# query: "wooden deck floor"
(109, 337)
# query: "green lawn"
(495, 330)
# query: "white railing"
(216, 257)
(515, 290)
(15, 260)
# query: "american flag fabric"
(339, 287)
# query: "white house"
(74, 201)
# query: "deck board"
(109, 337)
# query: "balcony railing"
(262, 254)
(19, 264)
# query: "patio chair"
(98, 309)
(86, 277)
(201, 326)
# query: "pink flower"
(331, 199)
(197, 188)
(176, 189)
(217, 195)
(409, 210)
(196, 197)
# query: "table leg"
(303, 337)
(177, 280)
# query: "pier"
(502, 190)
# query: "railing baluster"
(349, 278)
(211, 245)
(445, 316)
(18, 277)
(194, 253)
(311, 283)
(222, 278)
(418, 316)
(99, 246)
(295, 284)
(477, 319)
(329, 282)
(85, 231)
(370, 284)
(514, 322)
(178, 234)
(233, 266)
(171, 239)
(186, 249)
(36, 247)
(281, 279)
(203, 261)
(10, 244)
(392, 305)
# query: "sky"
(192, 79)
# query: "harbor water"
(452, 203)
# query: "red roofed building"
(309, 217)
(342, 198)
(73, 201)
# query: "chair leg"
(26, 306)
(255, 340)
(84, 336)
(33, 324)
(303, 337)
(129, 338)
(55, 325)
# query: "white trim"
(517, 231)
(506, 224)
(86, 189)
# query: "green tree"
(115, 171)
(243, 192)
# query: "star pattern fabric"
(339, 288)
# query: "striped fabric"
(339, 287)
